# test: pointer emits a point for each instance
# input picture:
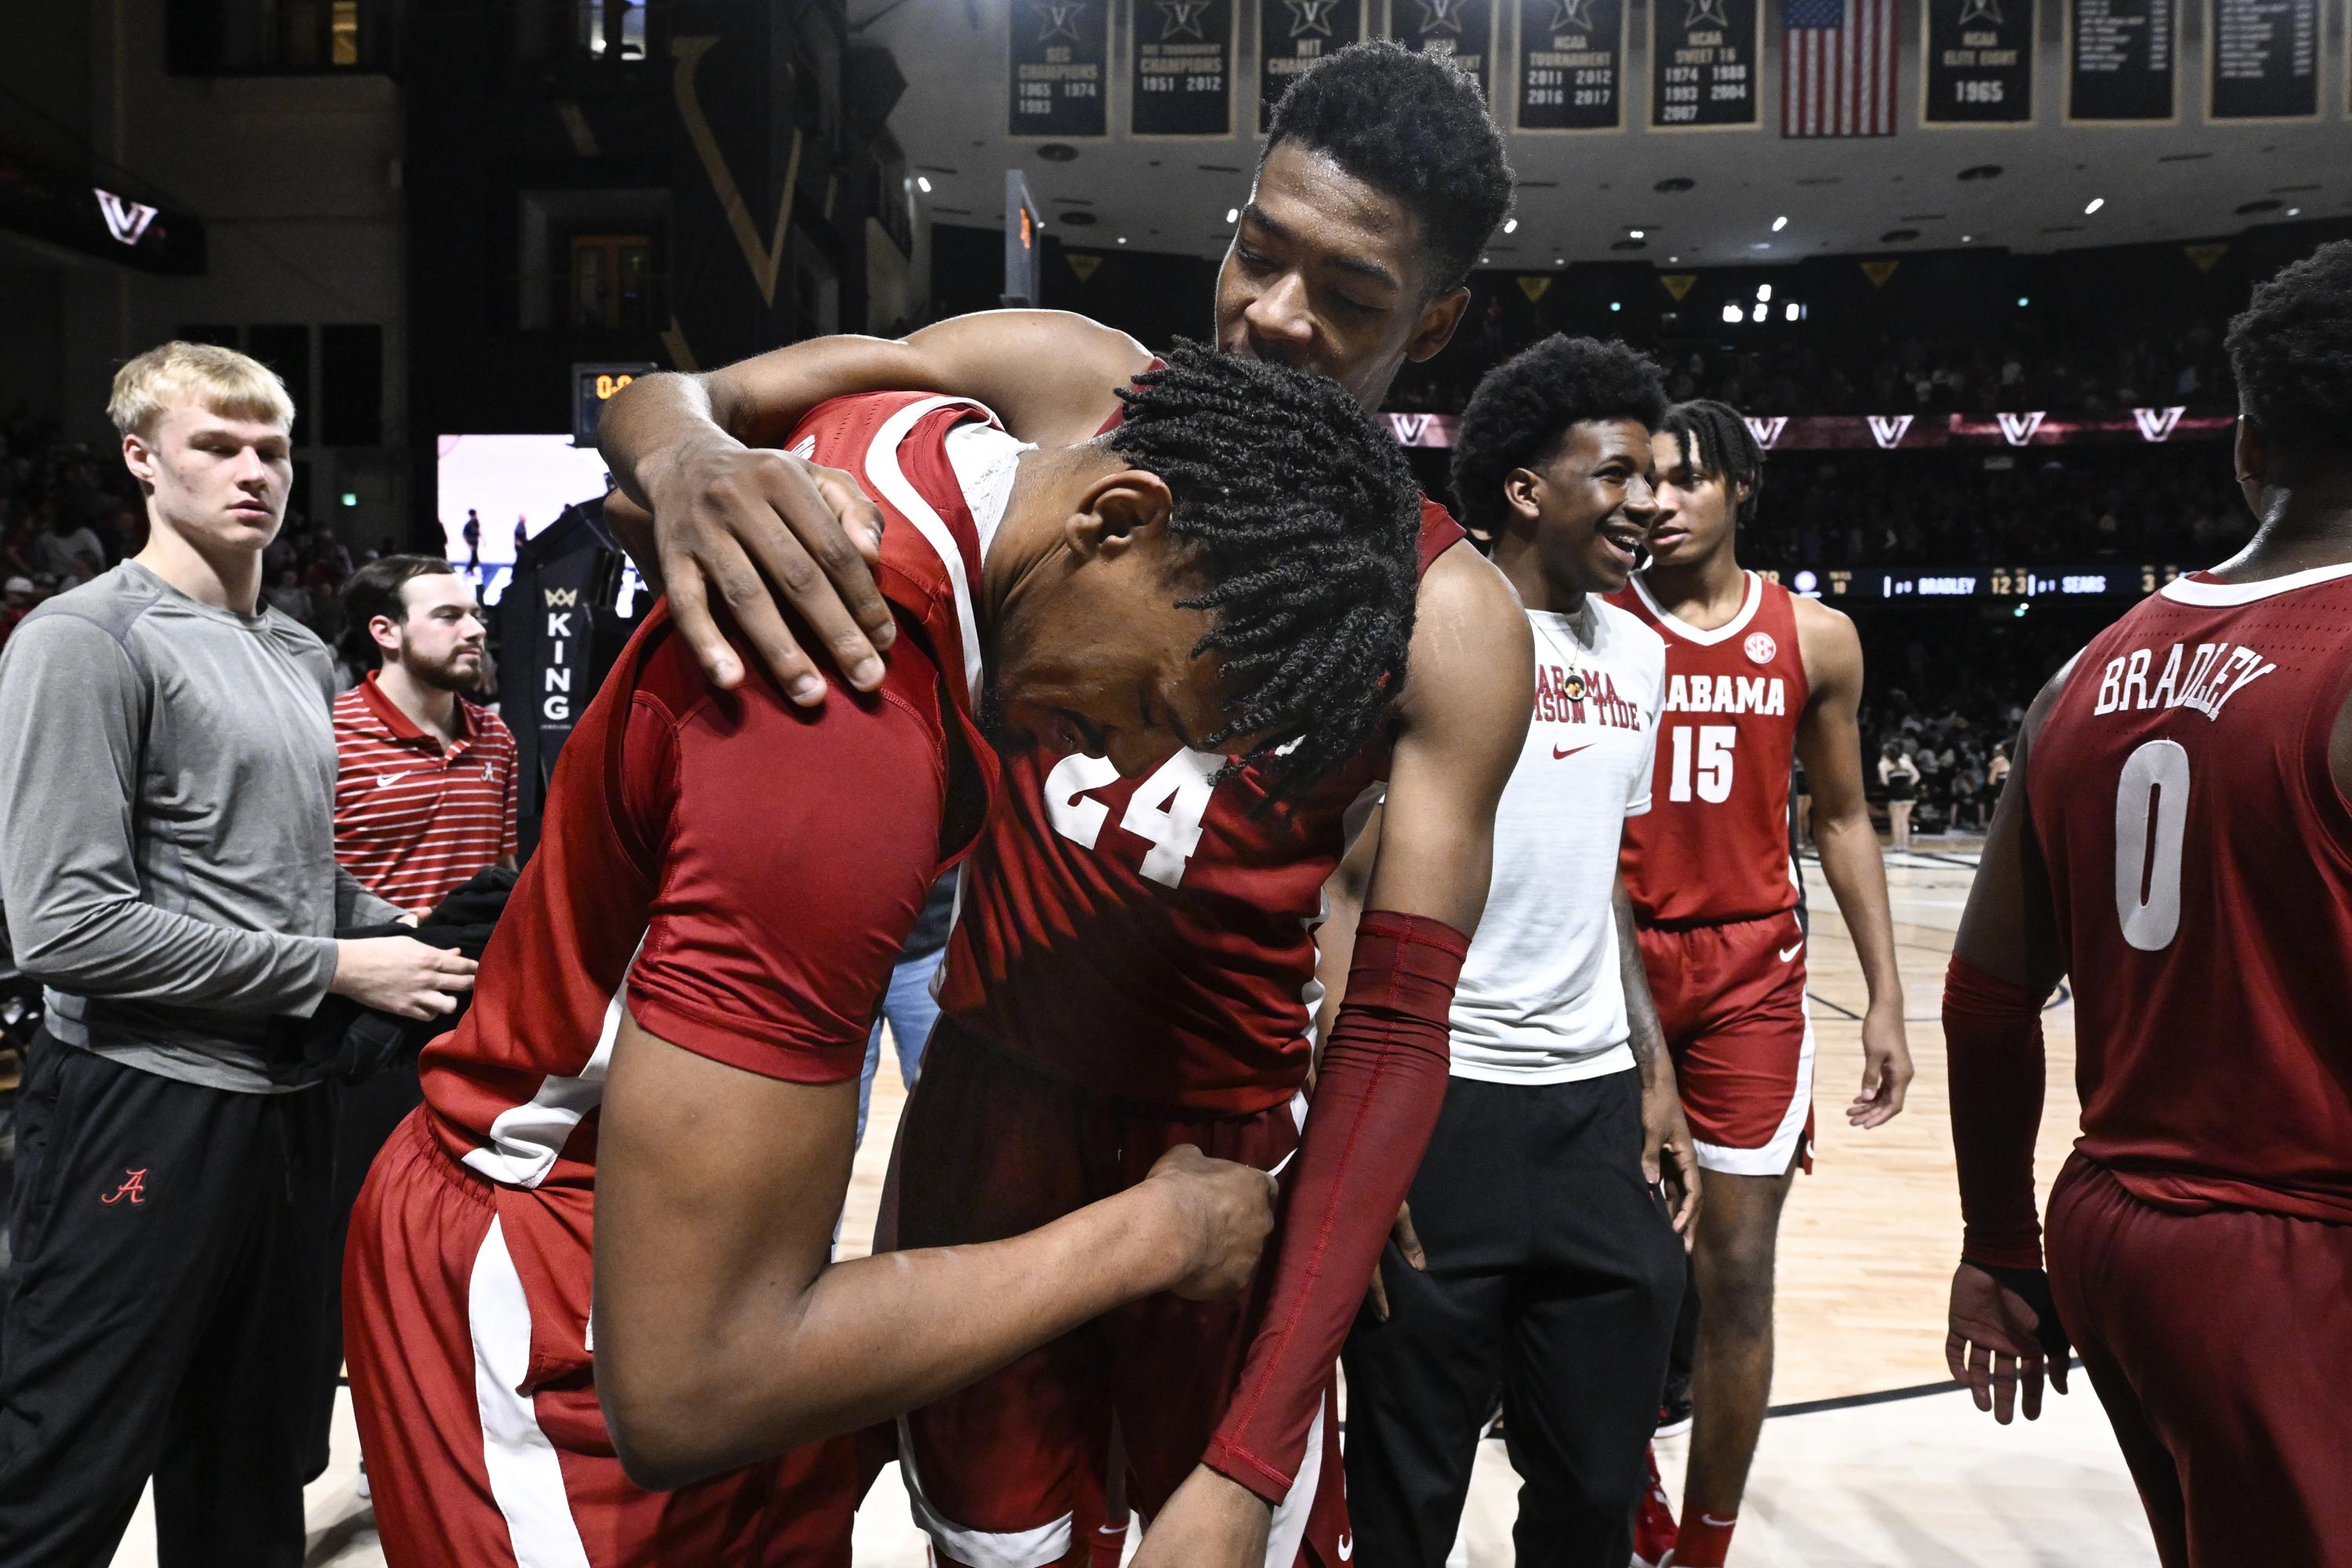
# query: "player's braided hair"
(1522, 411)
(1414, 126)
(1721, 445)
(2291, 351)
(1300, 517)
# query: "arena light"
(2295, 211)
(1794, 311)
(1761, 312)
(2096, 203)
(1636, 233)
(351, 498)
(2023, 301)
(1614, 307)
(1510, 226)
(1731, 314)
(1763, 293)
(1232, 214)
(1122, 239)
(1779, 223)
(923, 184)
(1965, 237)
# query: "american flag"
(1837, 67)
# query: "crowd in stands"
(1820, 373)
(68, 511)
(2084, 505)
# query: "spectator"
(22, 597)
(289, 597)
(67, 553)
(424, 798)
(167, 870)
(1899, 776)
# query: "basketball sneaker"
(1653, 1521)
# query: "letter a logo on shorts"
(134, 1188)
(1760, 648)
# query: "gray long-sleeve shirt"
(167, 785)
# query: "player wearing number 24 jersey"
(2183, 848)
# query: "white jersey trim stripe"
(1288, 1531)
(882, 467)
(1689, 633)
(526, 1140)
(525, 1475)
(2181, 590)
(1774, 1157)
(1038, 1548)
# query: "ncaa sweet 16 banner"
(1837, 67)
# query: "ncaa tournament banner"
(1977, 65)
(1060, 68)
(2263, 60)
(2122, 59)
(1572, 65)
(1293, 34)
(1182, 79)
(1704, 55)
(1462, 28)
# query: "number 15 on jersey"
(1701, 757)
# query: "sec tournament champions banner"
(1462, 28)
(1182, 80)
(1572, 71)
(1703, 59)
(2265, 57)
(2121, 56)
(1293, 34)
(1061, 69)
(1978, 68)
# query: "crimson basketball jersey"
(1715, 846)
(2200, 861)
(1152, 939)
(739, 872)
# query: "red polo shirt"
(414, 820)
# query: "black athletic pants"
(1553, 1281)
(172, 1262)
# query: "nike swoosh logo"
(1347, 1546)
(386, 781)
(1789, 952)
(1558, 754)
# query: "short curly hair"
(1301, 517)
(2291, 349)
(1414, 126)
(1524, 409)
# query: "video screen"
(495, 491)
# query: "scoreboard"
(2107, 580)
(595, 385)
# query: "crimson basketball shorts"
(1010, 1472)
(2219, 1344)
(1731, 999)
(475, 1465)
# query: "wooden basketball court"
(1872, 1456)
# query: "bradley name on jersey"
(2215, 672)
(1582, 697)
(1765, 694)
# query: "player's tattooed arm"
(1669, 1157)
(1829, 744)
(725, 1336)
(709, 511)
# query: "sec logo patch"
(1762, 648)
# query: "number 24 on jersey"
(1165, 811)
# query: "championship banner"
(1572, 65)
(1060, 68)
(1464, 29)
(2121, 56)
(1703, 61)
(1293, 34)
(2263, 60)
(1977, 63)
(1913, 433)
(1181, 81)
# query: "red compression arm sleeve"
(1992, 1042)
(1377, 1094)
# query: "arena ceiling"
(1583, 196)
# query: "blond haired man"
(167, 779)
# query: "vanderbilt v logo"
(133, 1188)
(763, 260)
